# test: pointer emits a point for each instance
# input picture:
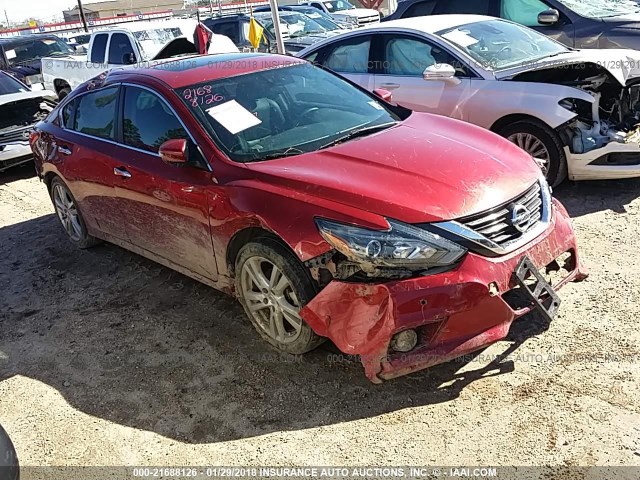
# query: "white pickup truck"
(344, 11)
(129, 45)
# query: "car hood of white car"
(358, 12)
(15, 97)
(623, 64)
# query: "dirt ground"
(107, 358)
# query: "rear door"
(404, 58)
(350, 58)
(165, 206)
(525, 12)
(86, 156)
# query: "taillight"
(33, 138)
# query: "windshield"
(337, 5)
(602, 8)
(297, 24)
(22, 52)
(282, 111)
(153, 40)
(496, 44)
(9, 85)
(322, 18)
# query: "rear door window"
(349, 56)
(99, 48)
(96, 113)
(228, 29)
(119, 46)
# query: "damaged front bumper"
(13, 154)
(454, 313)
(615, 160)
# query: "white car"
(20, 109)
(575, 111)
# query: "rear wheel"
(70, 216)
(272, 286)
(543, 144)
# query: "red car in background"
(326, 211)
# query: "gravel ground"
(107, 358)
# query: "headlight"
(352, 20)
(402, 246)
(33, 79)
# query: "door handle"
(390, 86)
(64, 150)
(121, 172)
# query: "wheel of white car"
(273, 286)
(63, 93)
(543, 144)
(69, 215)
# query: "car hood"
(623, 64)
(358, 12)
(427, 168)
(310, 39)
(16, 97)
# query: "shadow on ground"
(582, 198)
(132, 342)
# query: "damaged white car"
(576, 111)
(20, 109)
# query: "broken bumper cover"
(454, 313)
(613, 161)
(14, 154)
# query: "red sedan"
(326, 211)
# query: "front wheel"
(273, 286)
(9, 466)
(543, 144)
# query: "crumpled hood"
(623, 64)
(427, 168)
(15, 97)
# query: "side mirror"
(382, 94)
(439, 71)
(128, 58)
(549, 17)
(174, 151)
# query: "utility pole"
(82, 17)
(276, 25)
(7, 17)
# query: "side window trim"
(474, 73)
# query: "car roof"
(431, 23)
(184, 71)
(22, 38)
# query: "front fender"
(494, 100)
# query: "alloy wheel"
(534, 147)
(67, 212)
(271, 300)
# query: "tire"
(9, 466)
(518, 133)
(67, 209)
(271, 307)
(63, 93)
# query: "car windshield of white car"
(153, 40)
(284, 111)
(602, 8)
(497, 45)
(9, 85)
(338, 5)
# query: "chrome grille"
(508, 222)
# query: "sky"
(45, 10)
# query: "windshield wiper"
(359, 132)
(289, 152)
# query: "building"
(119, 8)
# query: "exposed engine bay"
(614, 116)
(23, 113)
